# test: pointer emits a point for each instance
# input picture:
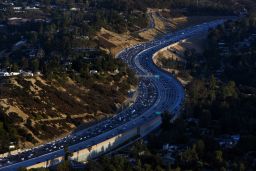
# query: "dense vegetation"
(123, 5)
(225, 105)
(53, 41)
(222, 104)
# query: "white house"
(11, 147)
(93, 72)
(14, 73)
(17, 8)
(26, 74)
(4, 74)
(74, 9)
(31, 8)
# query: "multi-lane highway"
(158, 92)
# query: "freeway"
(158, 92)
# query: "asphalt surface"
(158, 92)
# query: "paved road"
(158, 92)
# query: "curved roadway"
(158, 92)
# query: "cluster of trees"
(104, 64)
(223, 105)
(206, 6)
(123, 5)
(171, 63)
(54, 42)
(143, 160)
(238, 64)
(56, 39)
(9, 132)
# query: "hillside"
(38, 110)
(175, 57)
(163, 23)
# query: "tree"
(64, 166)
(15, 68)
(94, 166)
(67, 153)
(29, 137)
(47, 2)
(33, 37)
(241, 167)
(2, 131)
(223, 169)
(218, 156)
(29, 122)
(40, 53)
(200, 146)
(166, 120)
(229, 90)
(24, 63)
(197, 91)
(35, 65)
(190, 155)
(6, 62)
(212, 88)
(22, 169)
(205, 117)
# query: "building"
(14, 73)
(26, 74)
(22, 73)
(74, 9)
(17, 8)
(4, 74)
(11, 146)
(32, 8)
(93, 72)
(229, 141)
